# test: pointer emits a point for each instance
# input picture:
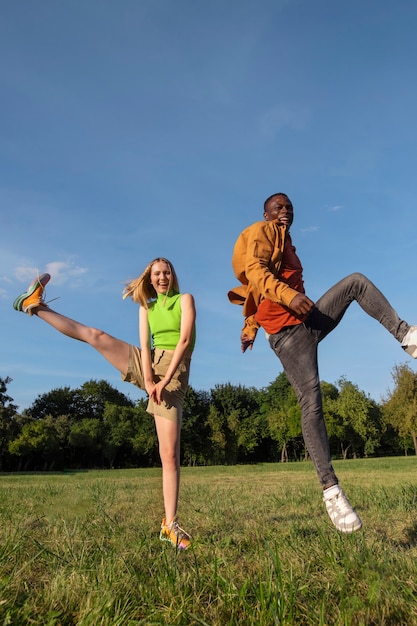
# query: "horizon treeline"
(97, 427)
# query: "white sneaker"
(409, 343)
(340, 510)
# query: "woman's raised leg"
(32, 302)
(112, 349)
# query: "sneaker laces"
(44, 292)
(341, 503)
(179, 532)
(53, 300)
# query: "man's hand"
(246, 342)
(300, 304)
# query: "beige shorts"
(174, 393)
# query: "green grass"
(83, 548)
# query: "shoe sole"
(353, 528)
(411, 350)
(43, 279)
(178, 546)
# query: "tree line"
(96, 426)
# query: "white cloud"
(60, 270)
(310, 229)
(25, 273)
(64, 270)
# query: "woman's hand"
(155, 390)
(149, 386)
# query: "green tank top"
(164, 317)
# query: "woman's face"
(161, 277)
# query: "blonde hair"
(141, 289)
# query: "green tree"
(361, 418)
(144, 440)
(60, 401)
(36, 445)
(279, 392)
(400, 407)
(98, 393)
(232, 414)
(119, 424)
(86, 439)
(195, 435)
(88, 400)
(282, 411)
(279, 430)
(217, 437)
(8, 423)
(335, 424)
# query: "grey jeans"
(296, 347)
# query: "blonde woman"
(161, 366)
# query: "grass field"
(83, 548)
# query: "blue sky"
(141, 128)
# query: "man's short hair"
(273, 196)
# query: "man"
(273, 297)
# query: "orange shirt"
(272, 316)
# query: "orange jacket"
(256, 260)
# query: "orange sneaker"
(175, 535)
(33, 296)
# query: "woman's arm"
(188, 316)
(145, 344)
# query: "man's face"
(279, 208)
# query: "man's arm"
(261, 270)
(263, 263)
(248, 334)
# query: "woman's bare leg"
(169, 450)
(113, 350)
